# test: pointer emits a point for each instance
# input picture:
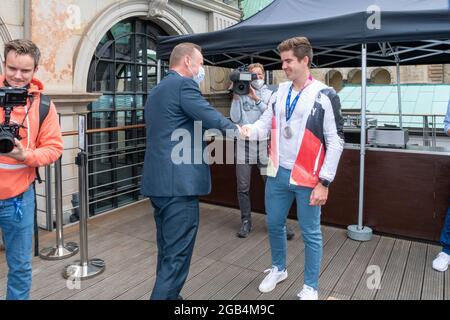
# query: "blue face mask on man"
(200, 76)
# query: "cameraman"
(247, 109)
(40, 145)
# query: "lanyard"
(290, 107)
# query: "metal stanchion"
(48, 198)
(60, 251)
(84, 268)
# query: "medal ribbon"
(290, 107)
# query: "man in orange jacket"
(40, 145)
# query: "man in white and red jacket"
(305, 123)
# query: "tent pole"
(399, 96)
(359, 232)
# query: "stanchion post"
(84, 268)
(60, 251)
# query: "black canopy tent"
(344, 33)
(414, 32)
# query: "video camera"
(242, 79)
(10, 97)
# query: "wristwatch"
(326, 183)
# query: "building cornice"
(73, 99)
(213, 6)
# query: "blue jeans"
(17, 224)
(445, 234)
(278, 199)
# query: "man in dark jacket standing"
(176, 110)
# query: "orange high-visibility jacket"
(43, 146)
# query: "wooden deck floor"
(226, 267)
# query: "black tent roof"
(413, 31)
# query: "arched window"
(124, 69)
(380, 76)
(333, 78)
(354, 76)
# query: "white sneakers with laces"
(270, 281)
(308, 293)
(441, 262)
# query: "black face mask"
(6, 84)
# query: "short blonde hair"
(181, 50)
(300, 46)
(255, 65)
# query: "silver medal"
(287, 132)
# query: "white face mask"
(200, 76)
(257, 84)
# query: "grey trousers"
(248, 154)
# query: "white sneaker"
(270, 281)
(441, 262)
(308, 293)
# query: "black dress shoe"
(246, 227)
(289, 233)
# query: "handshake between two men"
(244, 130)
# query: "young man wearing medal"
(307, 140)
(247, 109)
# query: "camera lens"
(6, 142)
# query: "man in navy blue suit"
(175, 107)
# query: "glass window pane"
(122, 28)
(124, 77)
(100, 142)
(103, 76)
(140, 117)
(104, 48)
(139, 101)
(151, 56)
(140, 49)
(102, 119)
(100, 206)
(124, 118)
(140, 78)
(124, 47)
(140, 26)
(124, 101)
(151, 77)
(103, 102)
